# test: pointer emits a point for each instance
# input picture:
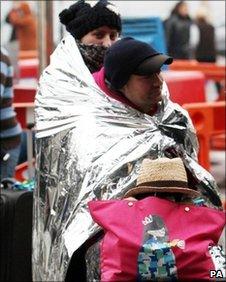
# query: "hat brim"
(147, 189)
(153, 64)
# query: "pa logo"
(216, 274)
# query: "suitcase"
(15, 235)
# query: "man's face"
(144, 91)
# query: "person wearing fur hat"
(95, 27)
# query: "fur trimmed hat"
(85, 16)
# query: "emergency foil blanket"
(90, 146)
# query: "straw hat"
(162, 175)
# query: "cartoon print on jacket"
(156, 260)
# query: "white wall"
(162, 8)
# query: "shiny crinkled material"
(90, 146)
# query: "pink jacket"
(100, 81)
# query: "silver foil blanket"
(90, 146)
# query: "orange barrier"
(209, 121)
(24, 113)
(28, 68)
(185, 87)
(218, 142)
(210, 70)
(219, 116)
(203, 121)
(28, 54)
(218, 136)
(24, 93)
(23, 103)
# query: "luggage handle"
(8, 183)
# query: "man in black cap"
(131, 74)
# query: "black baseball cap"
(130, 56)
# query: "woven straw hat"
(162, 175)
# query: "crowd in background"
(178, 32)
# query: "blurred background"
(136, 9)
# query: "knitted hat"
(83, 17)
(162, 175)
(129, 56)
